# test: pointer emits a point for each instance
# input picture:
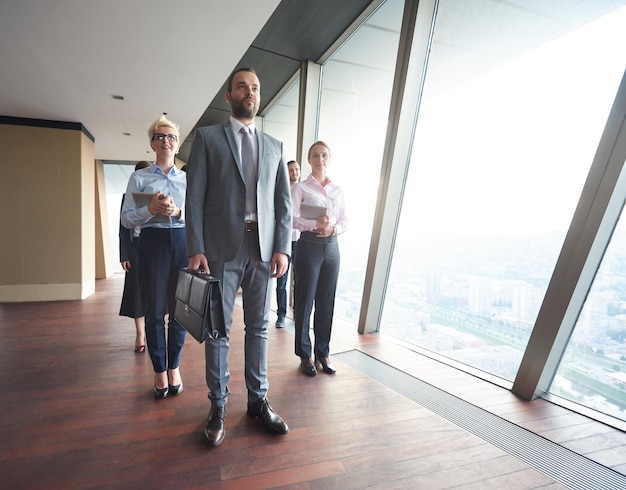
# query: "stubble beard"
(241, 110)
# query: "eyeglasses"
(161, 137)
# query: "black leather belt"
(250, 226)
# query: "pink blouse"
(310, 191)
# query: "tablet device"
(309, 211)
(143, 199)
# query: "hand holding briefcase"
(199, 307)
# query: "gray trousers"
(247, 271)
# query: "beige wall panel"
(88, 216)
(104, 257)
(11, 238)
(47, 258)
(53, 213)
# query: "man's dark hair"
(230, 79)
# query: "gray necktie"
(249, 169)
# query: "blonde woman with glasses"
(155, 201)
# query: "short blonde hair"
(162, 121)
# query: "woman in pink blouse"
(319, 213)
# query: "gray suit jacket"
(216, 196)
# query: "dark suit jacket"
(216, 195)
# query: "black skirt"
(132, 306)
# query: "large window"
(515, 100)
(281, 121)
(356, 91)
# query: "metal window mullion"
(308, 110)
(594, 220)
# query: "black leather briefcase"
(199, 307)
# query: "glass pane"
(593, 369)
(356, 91)
(515, 100)
(281, 121)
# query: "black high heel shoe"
(176, 389)
(307, 367)
(327, 367)
(161, 392)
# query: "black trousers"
(317, 263)
(161, 253)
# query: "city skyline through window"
(498, 165)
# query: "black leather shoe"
(176, 389)
(262, 410)
(161, 392)
(307, 367)
(214, 431)
(327, 367)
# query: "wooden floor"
(77, 412)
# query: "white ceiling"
(63, 60)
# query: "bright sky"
(507, 152)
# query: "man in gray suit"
(238, 222)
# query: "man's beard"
(241, 110)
